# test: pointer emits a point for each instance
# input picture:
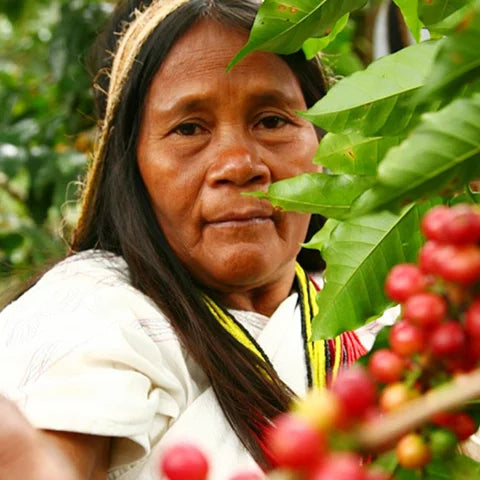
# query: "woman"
(182, 314)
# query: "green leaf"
(353, 153)
(359, 254)
(443, 150)
(409, 9)
(433, 11)
(314, 45)
(455, 467)
(449, 24)
(377, 100)
(458, 60)
(328, 195)
(282, 26)
(322, 237)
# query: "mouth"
(242, 218)
(244, 222)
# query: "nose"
(237, 161)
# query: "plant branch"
(374, 435)
(5, 185)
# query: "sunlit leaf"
(409, 9)
(359, 253)
(282, 26)
(353, 153)
(328, 195)
(314, 45)
(444, 148)
(458, 60)
(377, 101)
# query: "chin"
(247, 268)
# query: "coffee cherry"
(463, 226)
(463, 426)
(472, 319)
(434, 222)
(184, 461)
(340, 466)
(442, 442)
(356, 392)
(395, 395)
(320, 408)
(412, 451)
(293, 443)
(404, 280)
(406, 339)
(386, 366)
(428, 257)
(425, 309)
(447, 339)
(460, 264)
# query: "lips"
(242, 216)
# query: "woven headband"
(129, 45)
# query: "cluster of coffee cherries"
(436, 338)
(438, 334)
(298, 443)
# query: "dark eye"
(188, 129)
(273, 121)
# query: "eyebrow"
(194, 102)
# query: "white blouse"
(83, 351)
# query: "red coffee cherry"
(460, 264)
(472, 319)
(447, 339)
(386, 366)
(463, 426)
(428, 257)
(340, 465)
(293, 443)
(184, 461)
(412, 451)
(463, 226)
(434, 222)
(403, 281)
(406, 339)
(425, 309)
(356, 392)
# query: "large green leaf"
(328, 195)
(458, 60)
(359, 253)
(409, 9)
(433, 11)
(444, 149)
(282, 26)
(353, 153)
(377, 100)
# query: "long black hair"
(249, 391)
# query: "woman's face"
(207, 136)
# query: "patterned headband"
(129, 45)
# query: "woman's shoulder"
(93, 284)
(96, 267)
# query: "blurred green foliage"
(46, 126)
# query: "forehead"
(198, 60)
